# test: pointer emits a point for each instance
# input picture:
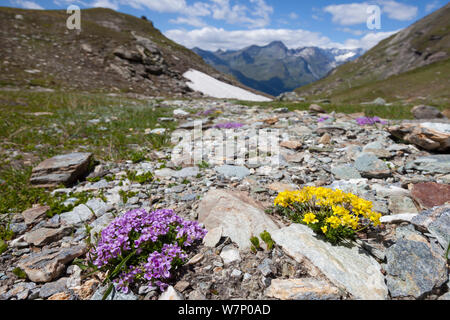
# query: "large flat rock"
(351, 269)
(48, 264)
(240, 216)
(63, 169)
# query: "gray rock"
(48, 264)
(266, 267)
(114, 295)
(371, 167)
(98, 206)
(187, 172)
(239, 215)
(413, 269)
(401, 204)
(51, 288)
(64, 169)
(439, 163)
(77, 216)
(346, 267)
(233, 171)
(426, 112)
(345, 172)
(437, 222)
(302, 289)
(230, 254)
(164, 173)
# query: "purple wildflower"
(322, 119)
(229, 125)
(143, 232)
(369, 121)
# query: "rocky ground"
(407, 181)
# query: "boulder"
(229, 171)
(239, 215)
(349, 268)
(439, 163)
(48, 264)
(370, 166)
(315, 108)
(437, 222)
(413, 269)
(426, 112)
(64, 169)
(429, 137)
(290, 96)
(430, 194)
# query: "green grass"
(385, 112)
(118, 137)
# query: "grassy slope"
(375, 73)
(428, 84)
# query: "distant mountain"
(412, 65)
(274, 68)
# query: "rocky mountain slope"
(410, 65)
(113, 52)
(274, 68)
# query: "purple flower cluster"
(370, 121)
(158, 239)
(322, 119)
(229, 125)
(206, 112)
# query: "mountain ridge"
(274, 68)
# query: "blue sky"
(234, 24)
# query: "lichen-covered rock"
(413, 269)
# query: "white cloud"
(191, 21)
(356, 13)
(257, 16)
(293, 16)
(398, 11)
(28, 4)
(348, 14)
(106, 4)
(368, 41)
(212, 38)
(432, 6)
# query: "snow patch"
(212, 87)
(345, 57)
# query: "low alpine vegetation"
(143, 246)
(332, 213)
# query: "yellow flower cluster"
(339, 208)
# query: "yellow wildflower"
(310, 218)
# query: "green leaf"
(108, 291)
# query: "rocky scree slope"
(401, 259)
(113, 52)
